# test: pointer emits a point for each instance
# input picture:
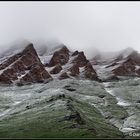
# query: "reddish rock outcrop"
(89, 72)
(28, 56)
(80, 60)
(56, 69)
(126, 68)
(37, 73)
(74, 70)
(59, 57)
(63, 76)
(21, 62)
(11, 73)
(4, 79)
(9, 61)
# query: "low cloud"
(87, 26)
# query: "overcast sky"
(108, 26)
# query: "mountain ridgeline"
(26, 66)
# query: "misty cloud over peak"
(83, 26)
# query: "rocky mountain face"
(128, 66)
(59, 57)
(125, 63)
(23, 67)
(26, 66)
(66, 64)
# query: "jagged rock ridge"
(26, 66)
(67, 64)
(23, 67)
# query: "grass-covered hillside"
(68, 109)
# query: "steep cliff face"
(63, 63)
(22, 66)
(29, 66)
(61, 56)
(89, 72)
(26, 66)
(80, 60)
